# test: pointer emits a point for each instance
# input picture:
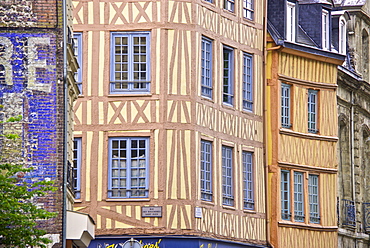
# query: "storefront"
(168, 242)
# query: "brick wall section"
(34, 30)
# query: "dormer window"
(342, 35)
(291, 22)
(325, 30)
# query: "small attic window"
(342, 35)
(290, 22)
(325, 30)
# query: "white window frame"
(291, 21)
(325, 30)
(342, 43)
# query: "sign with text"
(155, 211)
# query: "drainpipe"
(65, 133)
(352, 149)
(267, 214)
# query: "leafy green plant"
(19, 213)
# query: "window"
(229, 5)
(227, 176)
(291, 22)
(325, 30)
(298, 197)
(247, 82)
(248, 195)
(342, 36)
(77, 40)
(248, 9)
(76, 178)
(299, 192)
(210, 1)
(313, 198)
(206, 76)
(285, 106)
(312, 111)
(285, 195)
(128, 167)
(206, 170)
(130, 66)
(228, 76)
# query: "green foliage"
(18, 213)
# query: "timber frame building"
(354, 128)
(169, 122)
(302, 124)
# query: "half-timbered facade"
(168, 125)
(301, 122)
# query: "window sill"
(127, 199)
(249, 211)
(307, 135)
(228, 207)
(130, 95)
(228, 106)
(210, 203)
(310, 226)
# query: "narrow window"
(248, 9)
(130, 64)
(325, 30)
(227, 176)
(206, 77)
(77, 40)
(313, 198)
(248, 194)
(206, 170)
(247, 82)
(76, 178)
(285, 195)
(291, 22)
(229, 5)
(285, 106)
(298, 197)
(228, 94)
(342, 36)
(312, 111)
(128, 167)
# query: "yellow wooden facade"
(296, 149)
(173, 115)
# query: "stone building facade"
(353, 97)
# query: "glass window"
(285, 195)
(206, 59)
(342, 36)
(128, 167)
(248, 9)
(313, 198)
(247, 82)
(229, 5)
(325, 30)
(285, 106)
(248, 194)
(298, 197)
(227, 176)
(206, 170)
(130, 62)
(312, 111)
(77, 40)
(76, 178)
(228, 95)
(291, 22)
